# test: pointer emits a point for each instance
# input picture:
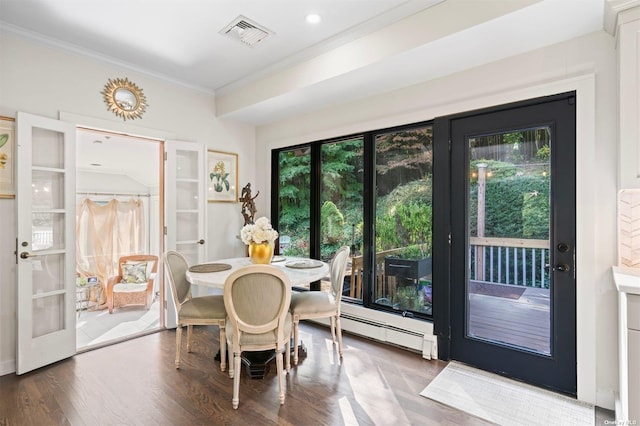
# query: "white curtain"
(106, 231)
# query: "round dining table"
(300, 271)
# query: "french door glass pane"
(341, 201)
(47, 148)
(187, 225)
(188, 200)
(47, 189)
(403, 236)
(47, 231)
(509, 287)
(187, 164)
(188, 250)
(294, 202)
(49, 312)
(48, 273)
(187, 195)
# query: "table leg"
(257, 363)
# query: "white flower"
(258, 232)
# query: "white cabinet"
(628, 285)
(628, 39)
(633, 355)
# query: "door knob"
(201, 242)
(26, 255)
(561, 267)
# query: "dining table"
(300, 270)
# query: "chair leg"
(236, 381)
(333, 329)
(296, 320)
(280, 376)
(223, 346)
(189, 331)
(339, 333)
(178, 343)
(287, 354)
(232, 361)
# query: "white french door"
(185, 201)
(45, 245)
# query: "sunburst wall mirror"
(124, 98)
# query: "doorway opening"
(119, 215)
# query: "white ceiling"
(359, 49)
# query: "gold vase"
(261, 252)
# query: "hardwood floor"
(135, 383)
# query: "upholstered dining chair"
(257, 298)
(202, 310)
(134, 283)
(322, 304)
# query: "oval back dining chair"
(257, 299)
(203, 310)
(322, 304)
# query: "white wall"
(586, 64)
(47, 81)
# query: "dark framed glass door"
(512, 274)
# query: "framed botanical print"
(7, 157)
(222, 176)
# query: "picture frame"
(222, 176)
(7, 157)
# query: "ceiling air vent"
(246, 31)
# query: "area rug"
(504, 401)
(496, 290)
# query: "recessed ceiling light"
(313, 18)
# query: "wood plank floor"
(135, 383)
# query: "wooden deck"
(524, 322)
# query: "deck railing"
(515, 261)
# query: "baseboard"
(408, 333)
(7, 367)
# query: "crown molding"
(612, 11)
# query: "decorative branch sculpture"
(248, 206)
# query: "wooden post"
(482, 171)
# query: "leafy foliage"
(517, 206)
(404, 220)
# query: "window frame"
(369, 206)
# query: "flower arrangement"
(258, 232)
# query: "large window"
(371, 192)
(294, 192)
(403, 219)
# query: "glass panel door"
(508, 197)
(45, 250)
(185, 206)
(186, 200)
(513, 233)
